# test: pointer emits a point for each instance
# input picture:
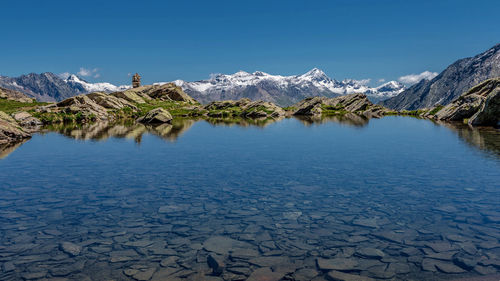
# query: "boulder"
(480, 105)
(70, 248)
(83, 105)
(244, 108)
(10, 131)
(489, 113)
(110, 101)
(27, 121)
(259, 109)
(130, 96)
(354, 103)
(168, 91)
(157, 115)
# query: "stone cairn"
(136, 81)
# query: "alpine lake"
(339, 198)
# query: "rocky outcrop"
(129, 96)
(244, 108)
(27, 121)
(480, 105)
(10, 131)
(353, 103)
(84, 106)
(156, 116)
(14, 95)
(169, 91)
(165, 92)
(449, 84)
(110, 101)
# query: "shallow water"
(392, 198)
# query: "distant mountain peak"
(316, 73)
(457, 78)
(48, 86)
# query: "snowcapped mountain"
(76, 81)
(282, 90)
(52, 87)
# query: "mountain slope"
(449, 84)
(51, 87)
(282, 90)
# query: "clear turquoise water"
(292, 191)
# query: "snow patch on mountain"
(94, 87)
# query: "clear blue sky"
(167, 40)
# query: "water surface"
(392, 198)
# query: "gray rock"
(70, 248)
(480, 105)
(305, 274)
(156, 116)
(216, 263)
(144, 274)
(370, 253)
(341, 276)
(223, 245)
(342, 264)
(265, 274)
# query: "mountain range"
(286, 90)
(52, 87)
(282, 90)
(449, 84)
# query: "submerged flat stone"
(223, 245)
(342, 276)
(265, 274)
(337, 264)
(370, 253)
(70, 248)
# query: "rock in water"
(70, 248)
(223, 245)
(480, 105)
(354, 103)
(370, 253)
(337, 264)
(27, 121)
(85, 106)
(155, 116)
(265, 274)
(337, 275)
(244, 108)
(110, 101)
(216, 263)
(10, 131)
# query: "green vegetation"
(290, 108)
(176, 108)
(329, 110)
(227, 112)
(436, 109)
(417, 112)
(11, 106)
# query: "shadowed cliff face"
(449, 84)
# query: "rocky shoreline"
(160, 104)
